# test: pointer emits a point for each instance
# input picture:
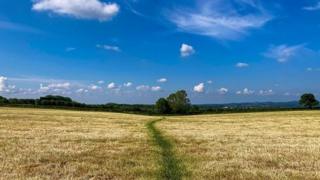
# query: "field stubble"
(50, 144)
(55, 144)
(275, 145)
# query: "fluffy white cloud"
(81, 9)
(143, 88)
(109, 48)
(245, 91)
(223, 91)
(112, 85)
(5, 87)
(155, 88)
(128, 84)
(284, 53)
(94, 87)
(222, 19)
(162, 80)
(242, 65)
(3, 83)
(186, 50)
(313, 8)
(199, 88)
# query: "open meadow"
(57, 144)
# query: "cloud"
(143, 88)
(186, 50)
(245, 91)
(101, 82)
(199, 88)
(55, 87)
(162, 80)
(242, 65)
(81, 9)
(109, 48)
(221, 19)
(5, 87)
(284, 53)
(18, 27)
(112, 85)
(156, 88)
(312, 69)
(82, 91)
(94, 87)
(3, 83)
(209, 81)
(128, 84)
(266, 92)
(312, 8)
(65, 85)
(223, 91)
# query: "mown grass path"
(171, 167)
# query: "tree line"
(175, 103)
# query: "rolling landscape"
(159, 90)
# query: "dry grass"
(277, 145)
(54, 144)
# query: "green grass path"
(171, 167)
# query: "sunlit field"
(278, 145)
(56, 144)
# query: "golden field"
(273, 145)
(54, 144)
(57, 144)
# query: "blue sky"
(135, 51)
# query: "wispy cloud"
(162, 80)
(313, 7)
(81, 9)
(69, 49)
(242, 65)
(35, 80)
(7, 25)
(109, 48)
(220, 19)
(284, 53)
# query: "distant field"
(55, 144)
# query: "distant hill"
(262, 105)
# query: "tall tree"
(162, 106)
(179, 102)
(308, 100)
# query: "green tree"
(162, 106)
(179, 102)
(3, 100)
(308, 100)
